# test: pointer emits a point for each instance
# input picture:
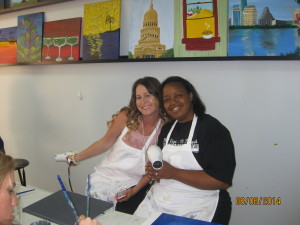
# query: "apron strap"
(152, 136)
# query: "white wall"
(258, 101)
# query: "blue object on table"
(67, 197)
(88, 197)
(168, 219)
(23, 192)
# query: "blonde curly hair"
(6, 166)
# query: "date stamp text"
(258, 200)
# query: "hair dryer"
(155, 156)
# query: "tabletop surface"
(110, 217)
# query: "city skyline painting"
(264, 28)
(281, 10)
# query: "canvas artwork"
(201, 28)
(15, 3)
(101, 34)
(8, 45)
(61, 40)
(264, 28)
(151, 29)
(2, 4)
(30, 35)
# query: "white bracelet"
(72, 157)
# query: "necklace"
(155, 133)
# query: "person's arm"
(195, 178)
(132, 191)
(106, 141)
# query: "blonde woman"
(127, 139)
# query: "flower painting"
(8, 45)
(101, 30)
(30, 33)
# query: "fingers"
(87, 221)
(81, 217)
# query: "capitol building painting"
(149, 43)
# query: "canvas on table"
(8, 45)
(30, 35)
(101, 34)
(61, 40)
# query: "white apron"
(122, 167)
(174, 197)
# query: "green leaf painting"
(30, 31)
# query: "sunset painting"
(8, 45)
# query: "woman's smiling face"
(178, 102)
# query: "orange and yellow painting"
(8, 45)
(195, 23)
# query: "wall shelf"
(32, 5)
(125, 59)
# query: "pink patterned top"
(136, 140)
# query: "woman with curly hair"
(129, 134)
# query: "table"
(111, 217)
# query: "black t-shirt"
(212, 139)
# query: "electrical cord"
(69, 177)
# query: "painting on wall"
(151, 29)
(201, 28)
(264, 28)
(61, 40)
(101, 30)
(2, 4)
(15, 3)
(30, 35)
(8, 45)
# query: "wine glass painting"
(47, 42)
(71, 41)
(59, 42)
(64, 36)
